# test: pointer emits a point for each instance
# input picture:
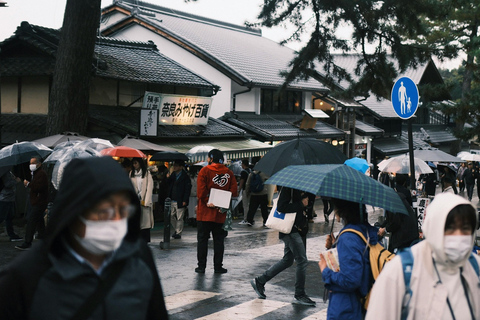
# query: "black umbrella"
(297, 152)
(21, 152)
(168, 156)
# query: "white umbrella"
(401, 165)
(471, 157)
(199, 153)
(95, 143)
(136, 143)
(53, 141)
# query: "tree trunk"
(69, 98)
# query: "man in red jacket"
(209, 218)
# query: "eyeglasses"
(109, 213)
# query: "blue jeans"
(295, 250)
(7, 211)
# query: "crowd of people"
(93, 256)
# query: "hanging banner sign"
(178, 109)
(148, 122)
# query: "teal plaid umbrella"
(339, 181)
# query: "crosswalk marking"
(321, 315)
(245, 311)
(187, 297)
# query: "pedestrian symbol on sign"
(405, 97)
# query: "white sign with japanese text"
(148, 122)
(178, 109)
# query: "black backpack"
(256, 182)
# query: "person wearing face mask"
(92, 263)
(38, 201)
(443, 283)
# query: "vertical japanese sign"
(177, 109)
(148, 122)
(422, 204)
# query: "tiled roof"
(114, 59)
(390, 146)
(22, 127)
(430, 134)
(367, 129)
(239, 51)
(275, 127)
(125, 120)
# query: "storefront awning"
(233, 149)
(365, 129)
(390, 146)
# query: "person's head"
(215, 156)
(450, 223)
(35, 163)
(401, 179)
(96, 207)
(470, 165)
(178, 165)
(138, 165)
(347, 211)
(245, 164)
(127, 164)
(447, 182)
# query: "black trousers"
(204, 228)
(35, 222)
(255, 202)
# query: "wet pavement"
(248, 252)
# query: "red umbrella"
(123, 152)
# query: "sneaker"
(177, 236)
(259, 288)
(304, 300)
(243, 222)
(221, 270)
(23, 246)
(249, 224)
(15, 238)
(199, 270)
(265, 226)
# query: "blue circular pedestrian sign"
(405, 97)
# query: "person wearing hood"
(355, 276)
(91, 263)
(209, 217)
(444, 283)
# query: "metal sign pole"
(165, 244)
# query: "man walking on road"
(38, 203)
(209, 217)
(179, 188)
(469, 179)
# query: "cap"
(216, 155)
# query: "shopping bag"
(282, 222)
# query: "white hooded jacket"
(429, 296)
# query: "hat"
(216, 155)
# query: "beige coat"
(146, 220)
(429, 297)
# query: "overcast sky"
(49, 13)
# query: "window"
(273, 101)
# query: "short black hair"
(179, 163)
(245, 162)
(461, 215)
(216, 155)
(348, 210)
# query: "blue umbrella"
(341, 182)
(358, 164)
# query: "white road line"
(321, 315)
(246, 311)
(184, 298)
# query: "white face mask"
(457, 248)
(102, 237)
(33, 167)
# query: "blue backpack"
(256, 182)
(407, 264)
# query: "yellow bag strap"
(356, 232)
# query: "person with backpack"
(258, 194)
(437, 278)
(354, 278)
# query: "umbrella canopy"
(136, 143)
(435, 156)
(358, 164)
(236, 168)
(299, 151)
(339, 181)
(53, 141)
(471, 157)
(199, 153)
(401, 165)
(96, 143)
(21, 152)
(123, 152)
(168, 156)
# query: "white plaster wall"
(222, 100)
(248, 101)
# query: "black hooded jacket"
(48, 282)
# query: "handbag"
(282, 222)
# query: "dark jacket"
(468, 176)
(290, 200)
(39, 188)
(179, 189)
(48, 282)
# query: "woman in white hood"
(444, 283)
